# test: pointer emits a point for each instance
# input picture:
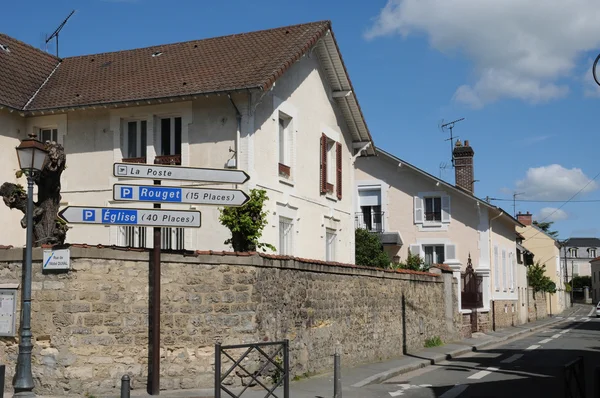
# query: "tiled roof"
(582, 242)
(228, 63)
(23, 70)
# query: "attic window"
(4, 48)
(157, 54)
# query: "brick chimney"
(463, 166)
(524, 219)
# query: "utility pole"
(572, 278)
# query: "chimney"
(524, 219)
(463, 166)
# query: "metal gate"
(281, 367)
(575, 379)
(471, 294)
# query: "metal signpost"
(158, 218)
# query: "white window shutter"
(446, 208)
(496, 269)
(418, 210)
(415, 250)
(450, 252)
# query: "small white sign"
(7, 312)
(57, 259)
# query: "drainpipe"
(238, 132)
(495, 265)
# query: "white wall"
(503, 279)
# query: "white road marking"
(512, 358)
(407, 387)
(455, 391)
(532, 347)
(571, 318)
(544, 341)
(556, 336)
(592, 311)
(559, 317)
(397, 393)
(481, 374)
(585, 319)
(565, 331)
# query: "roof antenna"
(443, 166)
(57, 31)
(450, 126)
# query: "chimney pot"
(524, 219)
(467, 143)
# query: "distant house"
(579, 252)
(414, 212)
(276, 103)
(547, 251)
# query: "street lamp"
(32, 156)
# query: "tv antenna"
(515, 201)
(443, 166)
(450, 126)
(57, 31)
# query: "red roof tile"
(221, 64)
(23, 70)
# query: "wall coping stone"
(10, 254)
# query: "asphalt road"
(533, 366)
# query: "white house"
(415, 212)
(277, 104)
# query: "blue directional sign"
(163, 194)
(138, 217)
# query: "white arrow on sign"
(163, 194)
(133, 217)
(155, 172)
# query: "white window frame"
(433, 246)
(52, 129)
(592, 253)
(284, 108)
(285, 138)
(172, 238)
(504, 277)
(496, 268)
(330, 244)
(138, 240)
(286, 236)
(158, 125)
(419, 211)
(511, 270)
(125, 138)
(450, 248)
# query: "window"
(511, 270)
(286, 228)
(135, 141)
(132, 236)
(370, 216)
(172, 239)
(504, 280)
(434, 254)
(573, 252)
(170, 137)
(592, 252)
(331, 166)
(330, 239)
(433, 209)
(48, 135)
(496, 269)
(285, 145)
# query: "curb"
(383, 376)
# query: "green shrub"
(433, 342)
(369, 250)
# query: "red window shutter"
(323, 163)
(338, 170)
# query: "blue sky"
(519, 76)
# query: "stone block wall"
(506, 313)
(91, 324)
(537, 306)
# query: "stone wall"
(505, 313)
(537, 306)
(91, 324)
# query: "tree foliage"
(47, 227)
(246, 223)
(579, 282)
(545, 226)
(413, 262)
(369, 250)
(538, 280)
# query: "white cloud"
(554, 182)
(520, 49)
(551, 214)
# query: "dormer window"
(592, 252)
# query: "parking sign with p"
(126, 192)
(89, 215)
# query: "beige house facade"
(295, 127)
(546, 251)
(415, 212)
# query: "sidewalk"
(355, 378)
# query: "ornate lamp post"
(594, 70)
(32, 155)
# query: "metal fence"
(575, 379)
(372, 221)
(271, 362)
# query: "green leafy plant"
(277, 374)
(369, 250)
(246, 223)
(568, 288)
(538, 280)
(434, 341)
(414, 262)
